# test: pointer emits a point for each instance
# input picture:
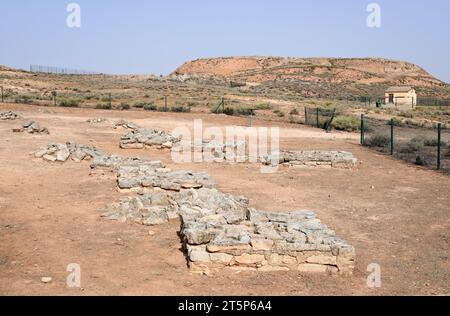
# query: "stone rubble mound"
(31, 128)
(126, 125)
(221, 231)
(78, 153)
(154, 175)
(224, 151)
(132, 173)
(9, 115)
(319, 159)
(140, 137)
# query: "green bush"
(420, 161)
(150, 107)
(24, 99)
(243, 111)
(180, 109)
(139, 105)
(124, 106)
(281, 114)
(433, 142)
(228, 111)
(347, 123)
(427, 142)
(415, 145)
(103, 106)
(378, 140)
(397, 121)
(263, 106)
(69, 103)
(163, 109)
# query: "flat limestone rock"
(314, 159)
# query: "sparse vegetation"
(427, 142)
(407, 114)
(124, 106)
(243, 111)
(180, 109)
(103, 106)
(294, 111)
(24, 99)
(149, 107)
(378, 140)
(413, 146)
(263, 106)
(228, 111)
(69, 103)
(346, 123)
(139, 105)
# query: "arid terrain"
(395, 214)
(326, 77)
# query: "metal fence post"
(318, 123)
(2, 94)
(439, 146)
(250, 118)
(392, 136)
(362, 129)
(306, 115)
(165, 103)
(110, 101)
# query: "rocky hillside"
(320, 76)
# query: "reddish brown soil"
(395, 214)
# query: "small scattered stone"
(46, 280)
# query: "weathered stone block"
(262, 244)
(312, 268)
(322, 259)
(248, 259)
(222, 258)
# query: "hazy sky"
(149, 36)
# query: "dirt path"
(395, 214)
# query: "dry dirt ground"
(395, 214)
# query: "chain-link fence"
(320, 118)
(422, 146)
(445, 157)
(425, 101)
(60, 70)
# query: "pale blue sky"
(138, 36)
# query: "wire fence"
(428, 147)
(424, 101)
(319, 117)
(377, 101)
(60, 70)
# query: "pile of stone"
(126, 125)
(140, 138)
(224, 152)
(78, 153)
(316, 159)
(153, 174)
(62, 152)
(9, 115)
(32, 128)
(221, 231)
